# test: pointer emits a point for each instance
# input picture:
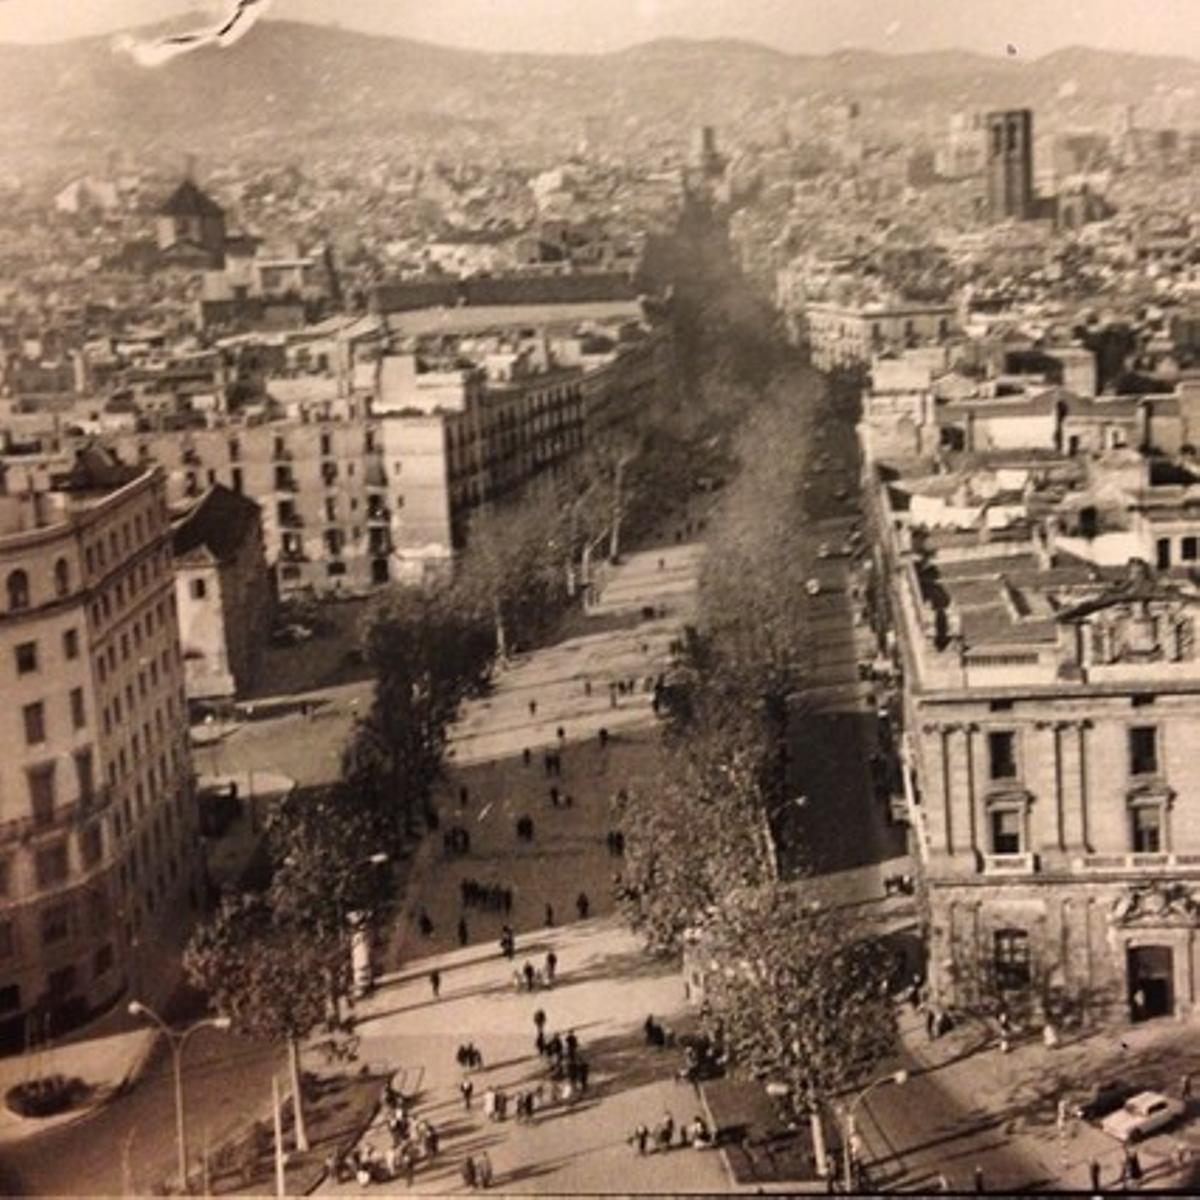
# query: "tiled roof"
(220, 520)
(187, 200)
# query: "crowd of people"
(412, 1140)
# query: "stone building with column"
(1048, 720)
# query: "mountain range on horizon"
(315, 87)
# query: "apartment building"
(1050, 708)
(850, 334)
(98, 838)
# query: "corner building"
(98, 839)
(1048, 730)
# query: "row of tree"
(794, 989)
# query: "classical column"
(1072, 747)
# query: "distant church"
(191, 228)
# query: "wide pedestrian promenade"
(606, 984)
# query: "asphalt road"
(226, 1078)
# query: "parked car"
(1141, 1115)
(823, 550)
(813, 587)
(1104, 1098)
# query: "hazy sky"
(1034, 27)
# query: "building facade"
(98, 838)
(224, 591)
(1049, 710)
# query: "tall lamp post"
(177, 1039)
(897, 1077)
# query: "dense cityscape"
(565, 636)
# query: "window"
(1188, 549)
(85, 775)
(1146, 828)
(27, 658)
(91, 845)
(35, 723)
(199, 589)
(62, 577)
(51, 865)
(18, 591)
(103, 961)
(1002, 755)
(62, 983)
(71, 644)
(238, 484)
(5, 876)
(1010, 949)
(1143, 750)
(78, 711)
(1006, 831)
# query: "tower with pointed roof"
(190, 218)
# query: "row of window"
(112, 601)
(1146, 827)
(27, 659)
(120, 543)
(20, 594)
(143, 628)
(1004, 762)
(33, 717)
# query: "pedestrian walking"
(463, 795)
(533, 708)
(1094, 1175)
(462, 931)
(979, 1182)
(641, 1138)
(470, 1173)
(425, 924)
(604, 737)
(539, 1019)
(562, 733)
(467, 1089)
(552, 966)
(554, 796)
(583, 1075)
(1135, 1166)
(1185, 1087)
(581, 905)
(549, 916)
(527, 971)
(484, 1170)
(572, 1045)
(435, 982)
(489, 1103)
(527, 756)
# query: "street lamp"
(176, 1039)
(897, 1077)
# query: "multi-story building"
(1051, 704)
(1008, 158)
(851, 334)
(98, 838)
(224, 591)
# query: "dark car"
(1105, 1098)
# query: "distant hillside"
(290, 90)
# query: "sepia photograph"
(599, 597)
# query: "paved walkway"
(605, 989)
(607, 984)
(1001, 1109)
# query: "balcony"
(1010, 864)
(1135, 862)
(62, 817)
(286, 483)
(291, 520)
(281, 454)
